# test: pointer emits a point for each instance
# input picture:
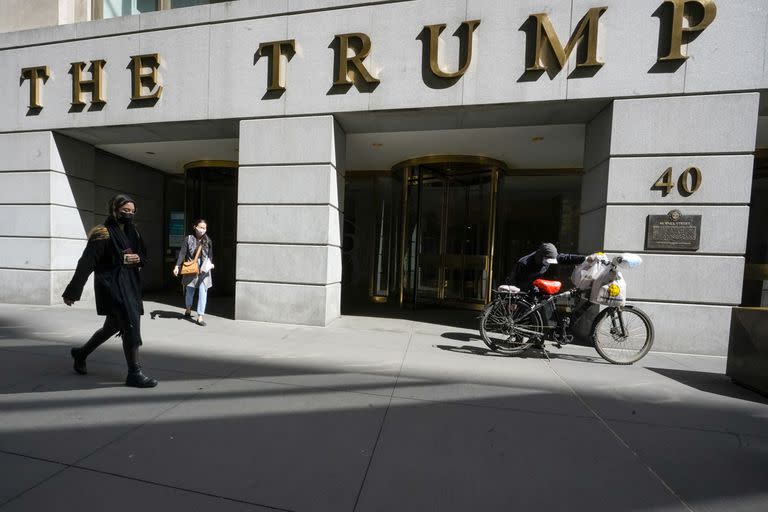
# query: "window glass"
(187, 3)
(115, 8)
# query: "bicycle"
(513, 322)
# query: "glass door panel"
(430, 282)
(447, 234)
(467, 220)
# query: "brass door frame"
(486, 165)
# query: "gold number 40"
(688, 182)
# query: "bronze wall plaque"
(673, 231)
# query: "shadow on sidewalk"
(531, 353)
(318, 434)
(715, 383)
(218, 305)
(461, 318)
(462, 336)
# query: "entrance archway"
(448, 229)
(211, 194)
(444, 230)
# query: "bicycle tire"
(622, 350)
(500, 333)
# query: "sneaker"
(79, 364)
(138, 380)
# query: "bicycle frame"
(573, 317)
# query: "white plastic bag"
(206, 266)
(609, 290)
(588, 271)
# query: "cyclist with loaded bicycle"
(534, 265)
(524, 316)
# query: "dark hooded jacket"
(117, 286)
(532, 266)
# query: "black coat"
(103, 258)
(530, 267)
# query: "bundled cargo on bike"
(609, 290)
(605, 282)
(585, 274)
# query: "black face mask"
(124, 218)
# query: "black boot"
(137, 379)
(79, 365)
(80, 354)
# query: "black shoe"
(201, 323)
(139, 380)
(79, 365)
(187, 314)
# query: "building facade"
(397, 153)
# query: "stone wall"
(210, 68)
(688, 294)
(53, 189)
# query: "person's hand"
(132, 259)
(176, 270)
(69, 302)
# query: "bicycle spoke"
(622, 347)
(501, 327)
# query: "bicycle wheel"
(503, 332)
(626, 348)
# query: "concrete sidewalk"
(365, 415)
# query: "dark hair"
(117, 201)
(204, 239)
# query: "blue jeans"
(202, 297)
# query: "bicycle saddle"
(548, 287)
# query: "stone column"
(290, 194)
(629, 145)
(46, 206)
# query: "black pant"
(114, 323)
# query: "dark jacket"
(531, 267)
(103, 259)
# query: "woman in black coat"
(115, 252)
